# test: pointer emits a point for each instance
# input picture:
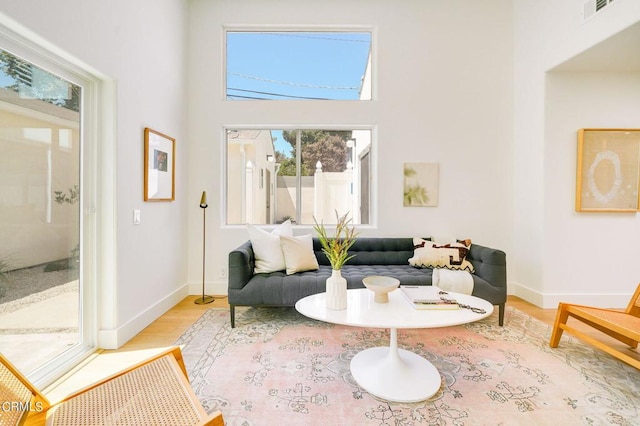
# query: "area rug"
(278, 367)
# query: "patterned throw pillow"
(428, 254)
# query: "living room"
(492, 91)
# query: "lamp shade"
(203, 200)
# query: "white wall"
(140, 45)
(34, 229)
(442, 93)
(559, 254)
(592, 252)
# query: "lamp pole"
(203, 205)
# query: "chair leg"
(501, 314)
(561, 319)
(232, 312)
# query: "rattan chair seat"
(152, 394)
(155, 391)
(12, 390)
(618, 321)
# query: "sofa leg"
(501, 314)
(232, 312)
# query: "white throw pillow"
(266, 247)
(298, 253)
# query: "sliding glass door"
(47, 312)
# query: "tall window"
(290, 65)
(274, 175)
(46, 244)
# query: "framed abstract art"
(159, 166)
(608, 170)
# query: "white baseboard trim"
(551, 300)
(216, 288)
(114, 338)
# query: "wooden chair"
(153, 392)
(623, 326)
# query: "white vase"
(336, 291)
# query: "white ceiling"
(620, 52)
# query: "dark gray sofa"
(373, 256)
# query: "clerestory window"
(298, 65)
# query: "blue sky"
(296, 65)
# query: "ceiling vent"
(594, 6)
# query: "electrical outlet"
(223, 272)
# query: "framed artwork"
(159, 166)
(608, 170)
(421, 184)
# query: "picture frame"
(421, 182)
(159, 166)
(608, 170)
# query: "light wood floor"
(170, 326)
(166, 329)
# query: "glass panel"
(39, 213)
(275, 175)
(289, 65)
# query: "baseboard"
(527, 294)
(114, 338)
(551, 300)
(215, 288)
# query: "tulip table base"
(395, 374)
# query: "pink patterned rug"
(278, 367)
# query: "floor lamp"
(203, 205)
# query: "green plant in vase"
(336, 249)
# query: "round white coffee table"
(388, 372)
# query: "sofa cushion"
(298, 254)
(266, 247)
(428, 254)
(373, 251)
(280, 289)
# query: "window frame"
(370, 151)
(304, 28)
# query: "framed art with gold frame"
(159, 166)
(608, 170)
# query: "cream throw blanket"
(453, 280)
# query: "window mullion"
(298, 176)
